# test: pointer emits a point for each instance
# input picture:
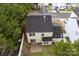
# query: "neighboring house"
(72, 30)
(72, 27)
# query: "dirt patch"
(36, 48)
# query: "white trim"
(21, 46)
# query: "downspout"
(21, 46)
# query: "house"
(38, 29)
(42, 30)
(47, 28)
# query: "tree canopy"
(11, 18)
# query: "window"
(33, 40)
(42, 34)
(45, 42)
(32, 34)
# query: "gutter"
(21, 46)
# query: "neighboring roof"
(37, 23)
(47, 39)
(54, 15)
(77, 11)
(61, 15)
(72, 24)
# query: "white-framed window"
(32, 40)
(31, 34)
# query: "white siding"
(56, 39)
(38, 36)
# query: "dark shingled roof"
(36, 23)
(57, 32)
(76, 11)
